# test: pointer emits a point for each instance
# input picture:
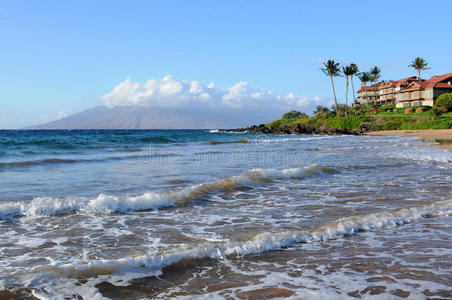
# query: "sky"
(61, 57)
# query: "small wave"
(243, 141)
(62, 160)
(214, 131)
(104, 204)
(300, 139)
(39, 162)
(18, 164)
(57, 160)
(46, 143)
(263, 242)
(355, 148)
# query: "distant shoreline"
(441, 136)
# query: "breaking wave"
(422, 154)
(104, 204)
(153, 264)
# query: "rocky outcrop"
(298, 129)
(364, 127)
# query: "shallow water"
(199, 214)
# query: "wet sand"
(442, 136)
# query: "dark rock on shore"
(364, 127)
(298, 129)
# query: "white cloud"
(170, 92)
(63, 114)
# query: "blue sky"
(60, 57)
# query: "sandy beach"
(441, 136)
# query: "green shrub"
(342, 109)
(435, 113)
(420, 109)
(274, 124)
(433, 119)
(445, 100)
(350, 122)
(388, 125)
(321, 110)
(288, 119)
(385, 108)
(294, 114)
(330, 114)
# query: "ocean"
(198, 214)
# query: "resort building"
(389, 89)
(368, 94)
(406, 92)
(424, 92)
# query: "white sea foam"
(148, 265)
(300, 139)
(421, 154)
(104, 204)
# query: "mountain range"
(136, 117)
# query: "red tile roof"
(403, 81)
(414, 86)
(373, 87)
(389, 83)
(367, 88)
(407, 81)
(443, 85)
(434, 82)
(411, 78)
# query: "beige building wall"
(423, 97)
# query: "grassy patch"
(383, 120)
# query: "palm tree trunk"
(419, 73)
(346, 95)
(353, 89)
(334, 92)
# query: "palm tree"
(374, 76)
(355, 70)
(347, 71)
(331, 69)
(321, 110)
(419, 64)
(365, 77)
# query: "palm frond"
(419, 64)
(331, 68)
(355, 68)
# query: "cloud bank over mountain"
(168, 103)
(174, 93)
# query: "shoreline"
(441, 136)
